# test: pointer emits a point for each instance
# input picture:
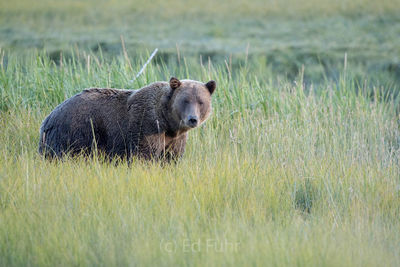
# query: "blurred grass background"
(283, 35)
(298, 164)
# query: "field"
(297, 166)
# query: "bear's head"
(190, 103)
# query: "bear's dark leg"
(175, 150)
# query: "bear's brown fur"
(151, 122)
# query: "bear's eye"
(186, 101)
(201, 103)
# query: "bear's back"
(76, 117)
(89, 103)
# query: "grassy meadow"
(297, 166)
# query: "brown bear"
(151, 122)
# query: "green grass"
(284, 35)
(297, 166)
(279, 175)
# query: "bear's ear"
(174, 83)
(211, 86)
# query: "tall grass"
(280, 174)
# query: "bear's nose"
(192, 121)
